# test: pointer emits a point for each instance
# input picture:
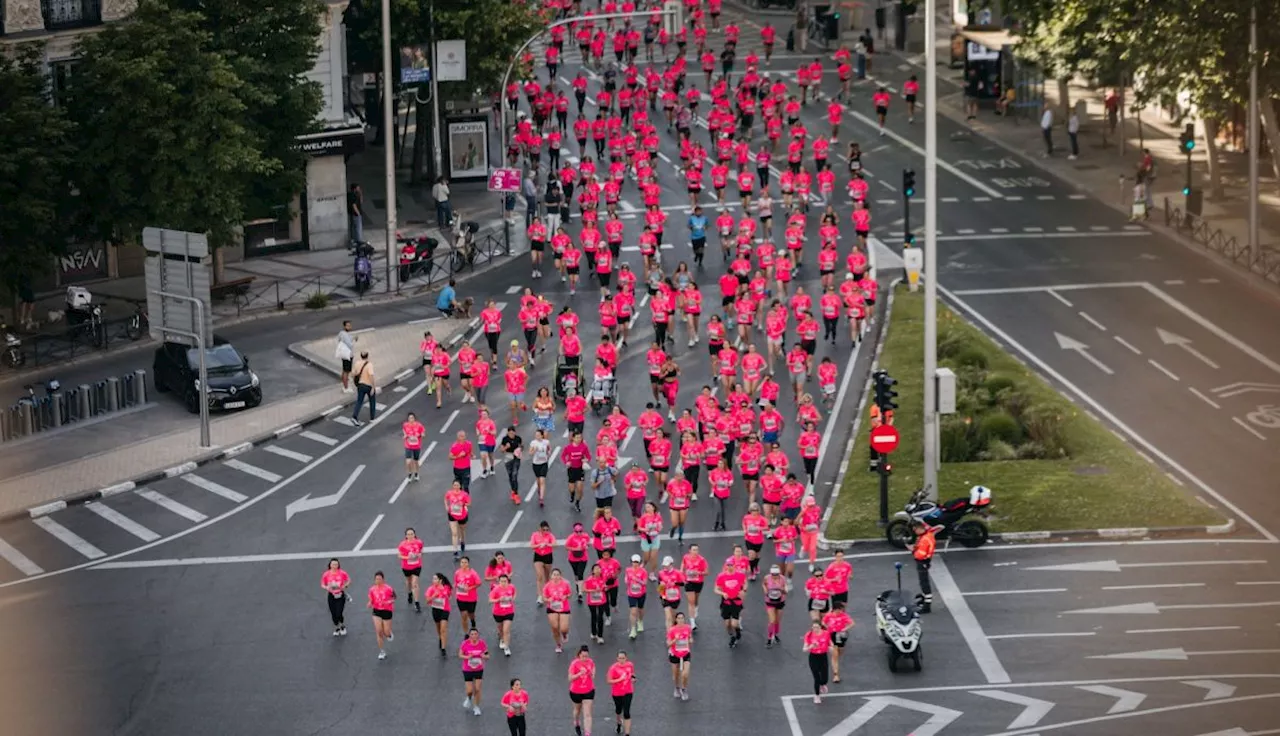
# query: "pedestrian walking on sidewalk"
(1073, 134)
(444, 209)
(1046, 128)
(344, 351)
(366, 388)
(530, 192)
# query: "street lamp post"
(388, 146)
(1255, 243)
(931, 435)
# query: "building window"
(59, 78)
(62, 14)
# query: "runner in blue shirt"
(698, 233)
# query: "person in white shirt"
(444, 210)
(1046, 127)
(1073, 134)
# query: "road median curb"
(1121, 533)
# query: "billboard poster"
(451, 57)
(468, 149)
(415, 65)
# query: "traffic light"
(1188, 138)
(885, 394)
(910, 240)
(908, 183)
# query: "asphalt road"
(212, 626)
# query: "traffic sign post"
(504, 180)
(884, 436)
(884, 439)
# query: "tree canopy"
(33, 162)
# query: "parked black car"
(231, 384)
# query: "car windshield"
(222, 358)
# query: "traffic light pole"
(884, 492)
(931, 249)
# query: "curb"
(328, 368)
(742, 7)
(1066, 534)
(262, 438)
(7, 377)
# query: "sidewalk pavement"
(120, 470)
(1102, 171)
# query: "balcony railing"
(64, 14)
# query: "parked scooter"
(424, 248)
(961, 519)
(898, 623)
(363, 268)
(84, 318)
(13, 356)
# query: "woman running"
(543, 543)
(457, 507)
(680, 654)
(720, 478)
(730, 585)
(670, 375)
(784, 547)
(649, 529)
(816, 644)
(473, 652)
(410, 551)
(557, 593)
(819, 592)
(775, 599)
(576, 545)
(810, 521)
(466, 590)
(582, 690)
(612, 569)
(838, 622)
(670, 588)
(637, 583)
(498, 566)
(597, 601)
(335, 581)
(516, 703)
(540, 457)
(622, 679)
(382, 601)
(503, 597)
(439, 595)
(694, 566)
(679, 491)
(754, 527)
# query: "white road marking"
(1001, 233)
(1213, 328)
(631, 432)
(997, 230)
(1151, 586)
(445, 427)
(1182, 629)
(1258, 582)
(1126, 700)
(1034, 709)
(1039, 635)
(214, 488)
(971, 593)
(20, 561)
(985, 199)
(1249, 429)
(1027, 230)
(317, 437)
(1045, 197)
(69, 538)
(1060, 298)
(122, 521)
(991, 328)
(282, 452)
(968, 624)
(168, 504)
(399, 489)
(1127, 344)
(514, 289)
(1100, 228)
(839, 402)
(253, 470)
(1163, 370)
(368, 532)
(1077, 196)
(1066, 229)
(965, 231)
(950, 199)
(1084, 316)
(506, 536)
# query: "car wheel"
(193, 401)
(252, 403)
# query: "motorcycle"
(363, 268)
(961, 519)
(84, 317)
(898, 623)
(464, 246)
(424, 249)
(13, 355)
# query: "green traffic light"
(1186, 191)
(911, 192)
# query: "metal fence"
(56, 346)
(1265, 262)
(34, 414)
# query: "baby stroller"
(603, 394)
(568, 378)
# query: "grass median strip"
(1050, 465)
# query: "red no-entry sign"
(884, 438)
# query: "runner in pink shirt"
(410, 552)
(473, 652)
(412, 432)
(816, 643)
(334, 581)
(671, 582)
(680, 653)
(516, 704)
(491, 325)
(622, 678)
(557, 593)
(582, 689)
(382, 601)
(439, 597)
(466, 590)
(517, 382)
(731, 586)
(502, 596)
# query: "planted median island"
(1049, 465)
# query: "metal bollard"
(140, 386)
(26, 419)
(126, 391)
(6, 425)
(113, 394)
(82, 402)
(57, 409)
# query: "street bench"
(233, 288)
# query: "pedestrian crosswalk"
(81, 535)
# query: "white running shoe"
(684, 694)
(337, 632)
(676, 693)
(475, 711)
(382, 655)
(391, 637)
(466, 702)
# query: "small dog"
(463, 310)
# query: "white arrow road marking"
(1034, 709)
(1215, 689)
(939, 717)
(1149, 608)
(1126, 700)
(1169, 338)
(1237, 731)
(1245, 387)
(307, 503)
(1113, 566)
(1069, 343)
(1179, 654)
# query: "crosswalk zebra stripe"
(169, 504)
(253, 470)
(69, 538)
(214, 488)
(282, 452)
(122, 521)
(19, 560)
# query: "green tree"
(271, 45)
(34, 161)
(161, 128)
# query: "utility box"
(945, 378)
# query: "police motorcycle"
(961, 519)
(898, 624)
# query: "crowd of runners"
(713, 442)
